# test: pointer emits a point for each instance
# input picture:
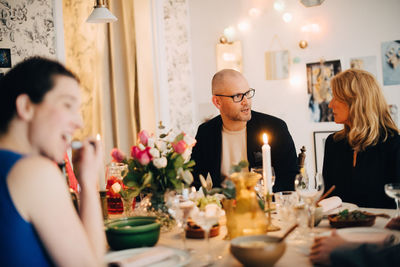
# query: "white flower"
(171, 137)
(185, 175)
(160, 162)
(190, 141)
(150, 142)
(141, 146)
(186, 155)
(161, 145)
(207, 184)
(154, 152)
(116, 187)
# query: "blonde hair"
(369, 116)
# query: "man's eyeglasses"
(239, 97)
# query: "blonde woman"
(365, 155)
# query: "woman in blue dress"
(39, 107)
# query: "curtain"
(103, 57)
(123, 73)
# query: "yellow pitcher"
(244, 216)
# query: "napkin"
(148, 257)
(330, 203)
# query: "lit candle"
(102, 179)
(266, 160)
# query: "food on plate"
(354, 218)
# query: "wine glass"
(260, 184)
(206, 219)
(309, 190)
(393, 191)
(180, 208)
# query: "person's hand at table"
(323, 247)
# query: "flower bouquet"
(158, 165)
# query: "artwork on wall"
(319, 90)
(364, 63)
(319, 148)
(277, 65)
(27, 28)
(5, 58)
(394, 113)
(229, 56)
(391, 62)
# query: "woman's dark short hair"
(34, 77)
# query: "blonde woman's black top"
(363, 184)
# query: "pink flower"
(135, 151)
(179, 146)
(144, 137)
(144, 156)
(117, 155)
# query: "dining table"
(296, 253)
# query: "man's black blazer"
(207, 151)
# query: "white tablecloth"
(295, 254)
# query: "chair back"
(301, 157)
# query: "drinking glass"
(206, 219)
(285, 205)
(260, 184)
(114, 175)
(393, 191)
(180, 207)
(309, 190)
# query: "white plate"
(180, 258)
(345, 205)
(365, 234)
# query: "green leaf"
(189, 164)
(171, 174)
(243, 164)
(228, 189)
(176, 183)
(147, 179)
(178, 163)
(215, 190)
(179, 137)
(174, 155)
(131, 184)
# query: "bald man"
(236, 134)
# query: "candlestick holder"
(267, 208)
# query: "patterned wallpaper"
(27, 28)
(179, 73)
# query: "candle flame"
(265, 138)
(98, 137)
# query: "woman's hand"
(323, 247)
(87, 162)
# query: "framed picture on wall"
(319, 148)
(5, 58)
(319, 89)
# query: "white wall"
(349, 28)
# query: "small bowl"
(194, 231)
(257, 250)
(132, 232)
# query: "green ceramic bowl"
(132, 232)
